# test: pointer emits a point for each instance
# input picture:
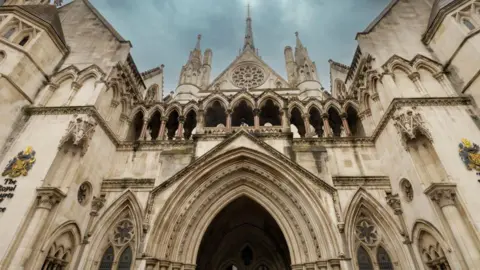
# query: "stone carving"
(80, 132)
(468, 152)
(21, 164)
(409, 123)
(443, 196)
(83, 193)
(407, 190)
(97, 204)
(123, 232)
(148, 135)
(248, 76)
(343, 133)
(366, 232)
(394, 202)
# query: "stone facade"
(103, 170)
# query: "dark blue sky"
(164, 31)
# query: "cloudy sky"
(164, 31)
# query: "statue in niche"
(343, 132)
(148, 136)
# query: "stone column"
(256, 118)
(415, 77)
(143, 133)
(345, 124)
(285, 121)
(200, 122)
(47, 199)
(122, 128)
(306, 123)
(161, 132)
(444, 195)
(97, 204)
(326, 126)
(164, 265)
(393, 201)
(229, 120)
(48, 93)
(179, 134)
(445, 82)
(75, 87)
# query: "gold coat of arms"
(21, 164)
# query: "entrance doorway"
(243, 236)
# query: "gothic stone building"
(248, 170)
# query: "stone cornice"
(154, 145)
(119, 184)
(331, 142)
(348, 182)
(418, 102)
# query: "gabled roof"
(437, 6)
(103, 20)
(47, 13)
(378, 18)
(242, 58)
(439, 10)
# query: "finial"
(248, 10)
(199, 37)
(296, 33)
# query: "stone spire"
(196, 71)
(196, 54)
(197, 46)
(301, 54)
(248, 44)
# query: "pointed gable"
(239, 72)
(49, 14)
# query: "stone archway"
(243, 236)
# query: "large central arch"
(197, 197)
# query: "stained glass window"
(383, 259)
(107, 259)
(125, 259)
(364, 261)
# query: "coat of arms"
(21, 164)
(468, 152)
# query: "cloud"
(164, 31)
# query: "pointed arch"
(296, 104)
(56, 248)
(397, 62)
(127, 202)
(364, 205)
(201, 194)
(210, 99)
(247, 97)
(421, 62)
(70, 72)
(156, 108)
(174, 106)
(333, 103)
(191, 106)
(92, 71)
(137, 109)
(351, 103)
(276, 98)
(314, 104)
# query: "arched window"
(189, 127)
(172, 125)
(136, 127)
(383, 259)
(9, 33)
(363, 259)
(335, 122)
(24, 41)
(153, 127)
(468, 24)
(107, 259)
(125, 259)
(296, 120)
(270, 113)
(242, 114)
(316, 122)
(215, 115)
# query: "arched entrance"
(243, 236)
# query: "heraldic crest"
(21, 164)
(468, 152)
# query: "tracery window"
(370, 245)
(248, 76)
(61, 251)
(9, 33)
(432, 252)
(121, 241)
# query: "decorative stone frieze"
(80, 131)
(124, 183)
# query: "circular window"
(84, 193)
(407, 190)
(248, 76)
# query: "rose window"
(366, 232)
(123, 232)
(248, 76)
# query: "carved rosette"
(409, 124)
(80, 131)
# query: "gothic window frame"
(56, 243)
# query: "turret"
(207, 67)
(290, 65)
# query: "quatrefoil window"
(248, 76)
(123, 232)
(367, 232)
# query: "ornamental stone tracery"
(248, 76)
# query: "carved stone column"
(111, 109)
(161, 132)
(229, 120)
(143, 133)
(345, 125)
(393, 201)
(75, 87)
(181, 121)
(47, 199)
(326, 126)
(415, 77)
(445, 197)
(285, 122)
(122, 128)
(306, 123)
(256, 118)
(445, 82)
(97, 204)
(49, 90)
(200, 122)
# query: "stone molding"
(127, 183)
(352, 182)
(48, 197)
(443, 194)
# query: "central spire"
(248, 44)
